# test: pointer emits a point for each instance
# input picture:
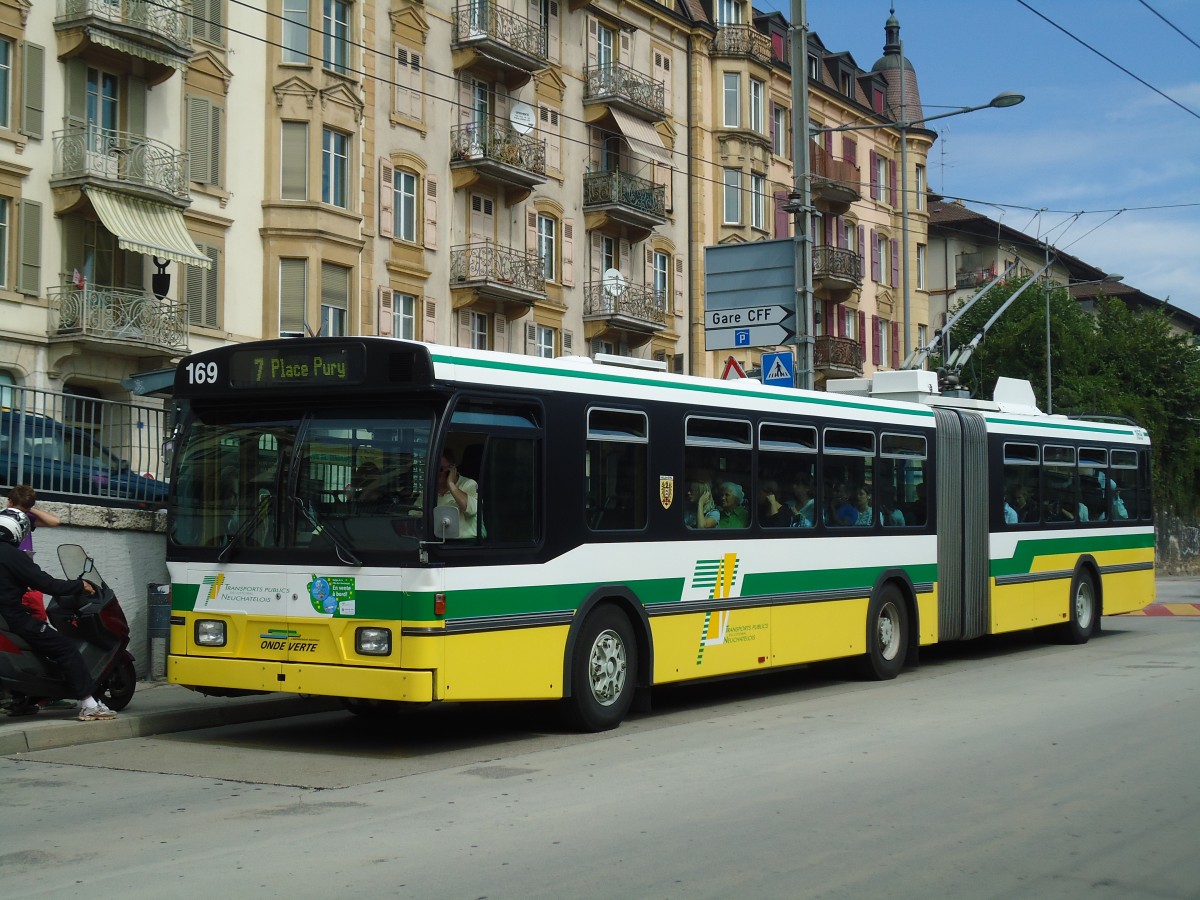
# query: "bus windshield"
(346, 482)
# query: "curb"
(69, 732)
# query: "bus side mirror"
(445, 522)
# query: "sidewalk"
(156, 708)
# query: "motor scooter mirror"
(74, 560)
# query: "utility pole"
(800, 199)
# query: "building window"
(780, 131)
(920, 188)
(814, 69)
(545, 342)
(608, 253)
(335, 169)
(6, 50)
(295, 31)
(733, 197)
(404, 316)
(661, 263)
(758, 201)
(293, 163)
(336, 33)
(546, 242)
(922, 335)
(477, 330)
(102, 93)
(605, 41)
(848, 84)
(885, 266)
(293, 292)
(404, 206)
(881, 176)
(733, 89)
(883, 331)
(3, 242)
(729, 12)
(758, 121)
(335, 299)
(849, 236)
(920, 267)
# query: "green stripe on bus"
(858, 578)
(1027, 551)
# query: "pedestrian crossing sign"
(779, 369)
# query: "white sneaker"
(96, 713)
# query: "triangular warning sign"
(779, 372)
(733, 370)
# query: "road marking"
(1168, 609)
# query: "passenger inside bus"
(772, 512)
(841, 510)
(732, 499)
(701, 511)
(863, 513)
(455, 489)
(803, 504)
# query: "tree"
(1115, 362)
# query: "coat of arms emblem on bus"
(666, 490)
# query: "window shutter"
(194, 292)
(828, 137)
(892, 182)
(501, 341)
(531, 347)
(874, 256)
(335, 286)
(677, 284)
(781, 214)
(549, 128)
(464, 328)
(895, 345)
(862, 331)
(135, 107)
(568, 343)
(593, 40)
(199, 139)
(387, 311)
(876, 341)
(625, 51)
(850, 150)
(293, 163)
(597, 265)
(33, 91)
(431, 205)
(568, 252)
(387, 175)
(76, 89)
(292, 296)
(29, 272)
(531, 231)
(874, 175)
(861, 240)
(429, 326)
(624, 259)
(212, 284)
(553, 32)
(895, 263)
(771, 120)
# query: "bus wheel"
(603, 672)
(1081, 614)
(887, 635)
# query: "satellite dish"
(522, 118)
(613, 281)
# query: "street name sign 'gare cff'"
(749, 295)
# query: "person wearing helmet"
(19, 573)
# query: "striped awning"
(643, 138)
(144, 226)
(134, 48)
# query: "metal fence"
(83, 449)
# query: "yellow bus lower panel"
(1128, 591)
(520, 664)
(809, 632)
(406, 685)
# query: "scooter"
(96, 622)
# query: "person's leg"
(48, 643)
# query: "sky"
(1089, 138)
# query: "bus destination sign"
(296, 367)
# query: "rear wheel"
(1082, 612)
(116, 690)
(603, 672)
(887, 635)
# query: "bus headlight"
(210, 633)
(373, 641)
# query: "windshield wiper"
(344, 553)
(264, 504)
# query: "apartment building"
(538, 177)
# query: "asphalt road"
(1000, 768)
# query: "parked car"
(65, 463)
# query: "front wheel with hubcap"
(887, 635)
(603, 671)
(1081, 613)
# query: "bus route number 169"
(201, 373)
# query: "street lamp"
(1002, 100)
(1111, 278)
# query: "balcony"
(618, 198)
(157, 31)
(87, 155)
(975, 278)
(498, 153)
(618, 86)
(491, 39)
(616, 310)
(837, 357)
(118, 320)
(836, 183)
(486, 271)
(742, 42)
(836, 272)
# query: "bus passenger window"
(787, 466)
(616, 469)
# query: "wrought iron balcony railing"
(170, 19)
(626, 190)
(488, 262)
(742, 41)
(118, 314)
(838, 353)
(500, 142)
(482, 19)
(836, 263)
(84, 151)
(630, 301)
(614, 81)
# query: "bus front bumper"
(407, 685)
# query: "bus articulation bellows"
(611, 529)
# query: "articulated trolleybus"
(396, 523)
